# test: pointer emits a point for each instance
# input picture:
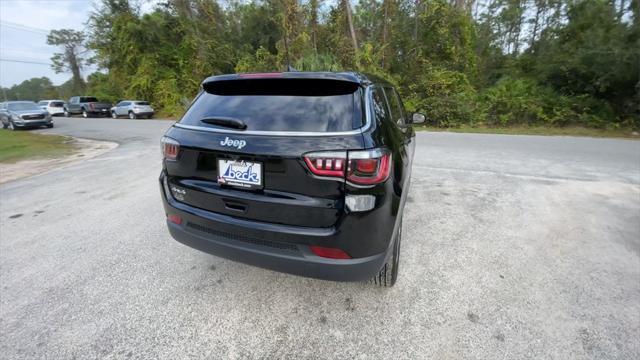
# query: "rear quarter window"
(280, 110)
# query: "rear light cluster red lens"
(170, 148)
(326, 164)
(373, 168)
(331, 253)
(367, 167)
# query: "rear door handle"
(235, 206)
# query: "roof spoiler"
(280, 84)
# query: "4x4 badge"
(233, 143)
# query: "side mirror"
(418, 118)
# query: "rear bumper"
(237, 240)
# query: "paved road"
(515, 247)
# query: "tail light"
(170, 148)
(331, 253)
(369, 167)
(92, 106)
(366, 167)
(328, 164)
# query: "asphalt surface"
(514, 247)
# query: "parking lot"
(514, 247)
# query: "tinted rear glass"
(285, 107)
(56, 104)
(88, 99)
(142, 103)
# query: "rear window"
(300, 106)
(56, 104)
(142, 103)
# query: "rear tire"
(113, 115)
(132, 116)
(4, 126)
(49, 126)
(66, 113)
(389, 273)
(85, 114)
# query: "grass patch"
(549, 131)
(22, 145)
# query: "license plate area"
(240, 173)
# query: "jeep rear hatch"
(237, 128)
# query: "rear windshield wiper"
(225, 122)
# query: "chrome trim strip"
(327, 154)
(366, 154)
(367, 125)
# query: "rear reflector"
(170, 148)
(330, 253)
(176, 219)
(358, 203)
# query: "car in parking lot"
(133, 109)
(23, 114)
(300, 172)
(87, 106)
(53, 107)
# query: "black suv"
(301, 172)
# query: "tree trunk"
(622, 9)
(536, 22)
(314, 25)
(416, 20)
(385, 29)
(74, 65)
(352, 31)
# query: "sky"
(24, 25)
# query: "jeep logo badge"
(233, 143)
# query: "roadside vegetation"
(23, 145)
(464, 63)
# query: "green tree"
(71, 58)
(33, 89)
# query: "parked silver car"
(23, 114)
(133, 109)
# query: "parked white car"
(133, 109)
(53, 107)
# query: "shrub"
(446, 97)
(523, 102)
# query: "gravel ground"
(514, 247)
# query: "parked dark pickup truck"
(88, 106)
